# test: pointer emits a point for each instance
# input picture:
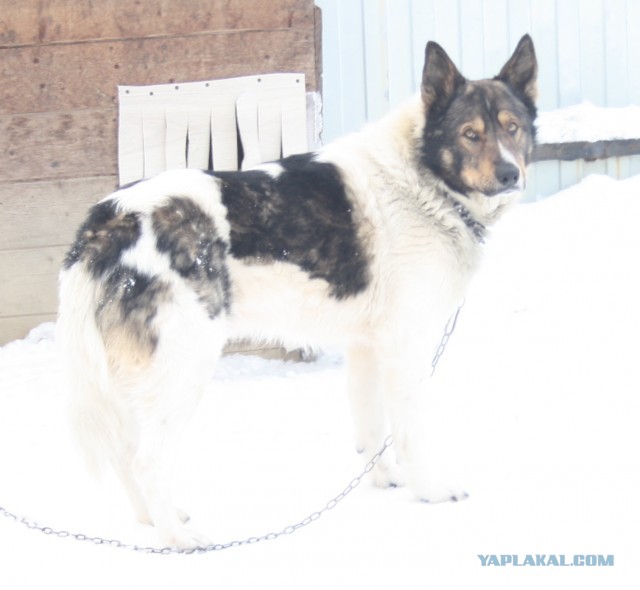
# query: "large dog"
(367, 244)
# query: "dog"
(367, 243)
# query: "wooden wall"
(60, 64)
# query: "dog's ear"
(521, 71)
(440, 80)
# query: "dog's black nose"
(507, 174)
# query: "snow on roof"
(587, 122)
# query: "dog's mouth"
(510, 192)
(502, 191)
(505, 180)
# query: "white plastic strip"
(247, 113)
(191, 124)
(294, 125)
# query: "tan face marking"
(473, 127)
(479, 173)
(505, 118)
(447, 158)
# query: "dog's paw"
(184, 538)
(183, 517)
(388, 475)
(435, 493)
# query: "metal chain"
(288, 530)
(448, 330)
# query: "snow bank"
(538, 418)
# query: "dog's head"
(479, 135)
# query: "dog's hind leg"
(167, 397)
(367, 409)
(152, 471)
(123, 466)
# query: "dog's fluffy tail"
(96, 416)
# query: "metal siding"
(400, 51)
(471, 37)
(519, 20)
(344, 67)
(496, 36)
(633, 49)
(592, 63)
(447, 15)
(616, 69)
(569, 91)
(422, 29)
(377, 62)
(587, 50)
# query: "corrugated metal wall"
(373, 53)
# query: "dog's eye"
(512, 128)
(470, 134)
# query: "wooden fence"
(61, 62)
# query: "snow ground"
(539, 421)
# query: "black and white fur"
(367, 244)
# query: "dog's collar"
(476, 228)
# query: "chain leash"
(448, 331)
(288, 530)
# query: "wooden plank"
(316, 84)
(586, 150)
(17, 327)
(37, 79)
(64, 21)
(267, 351)
(37, 214)
(30, 280)
(58, 145)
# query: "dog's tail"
(96, 416)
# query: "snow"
(587, 122)
(539, 421)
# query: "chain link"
(288, 530)
(448, 330)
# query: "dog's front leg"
(369, 417)
(411, 407)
